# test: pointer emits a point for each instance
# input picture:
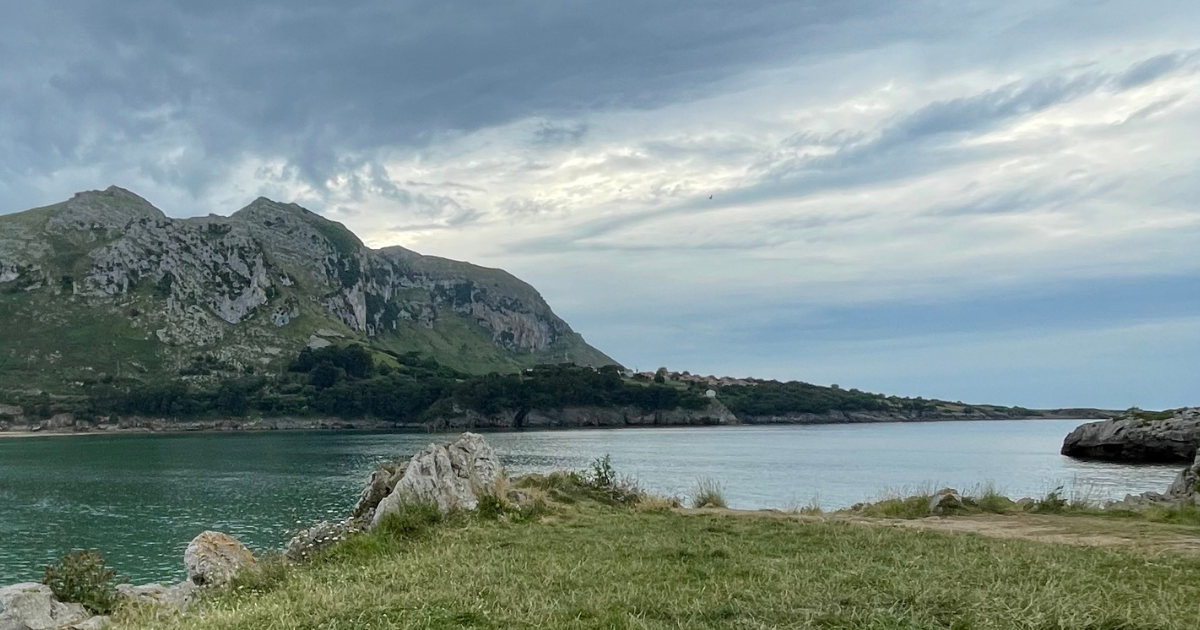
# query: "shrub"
(916, 506)
(1052, 503)
(83, 577)
(656, 503)
(988, 499)
(708, 493)
(608, 487)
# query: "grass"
(708, 493)
(988, 500)
(590, 565)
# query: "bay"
(140, 498)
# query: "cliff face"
(106, 281)
(1137, 437)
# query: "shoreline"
(294, 425)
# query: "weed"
(83, 577)
(708, 493)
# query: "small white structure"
(712, 393)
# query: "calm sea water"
(140, 498)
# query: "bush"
(83, 577)
(1052, 503)
(602, 479)
(708, 493)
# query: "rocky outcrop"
(453, 476)
(214, 559)
(175, 597)
(382, 482)
(309, 542)
(1138, 437)
(270, 275)
(945, 501)
(31, 606)
(1186, 485)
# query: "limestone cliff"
(106, 285)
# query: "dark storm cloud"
(89, 83)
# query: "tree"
(324, 375)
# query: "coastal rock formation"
(1138, 437)
(213, 559)
(713, 414)
(319, 537)
(31, 606)
(1186, 485)
(382, 482)
(452, 475)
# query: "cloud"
(551, 134)
(790, 188)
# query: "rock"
(452, 475)
(320, 537)
(378, 487)
(1138, 437)
(1025, 504)
(213, 559)
(32, 606)
(99, 622)
(178, 596)
(1186, 483)
(945, 500)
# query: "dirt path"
(1146, 536)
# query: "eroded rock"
(945, 500)
(319, 537)
(378, 487)
(213, 559)
(32, 606)
(178, 596)
(1138, 437)
(452, 475)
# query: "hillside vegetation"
(411, 389)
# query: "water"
(140, 498)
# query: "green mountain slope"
(106, 287)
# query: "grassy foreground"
(593, 566)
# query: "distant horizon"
(994, 204)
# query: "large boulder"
(1138, 437)
(213, 559)
(452, 475)
(32, 606)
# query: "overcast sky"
(985, 201)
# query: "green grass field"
(589, 566)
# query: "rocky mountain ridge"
(238, 293)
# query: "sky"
(980, 201)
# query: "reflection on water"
(141, 498)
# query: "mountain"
(105, 286)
